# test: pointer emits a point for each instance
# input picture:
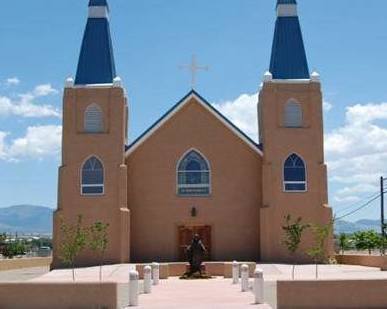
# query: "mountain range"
(360, 225)
(38, 219)
(26, 219)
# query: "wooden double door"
(186, 234)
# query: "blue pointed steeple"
(98, 3)
(96, 61)
(288, 57)
(286, 2)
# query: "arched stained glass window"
(193, 175)
(92, 177)
(93, 122)
(294, 174)
(293, 114)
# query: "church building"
(193, 171)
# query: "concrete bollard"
(245, 277)
(259, 286)
(147, 279)
(133, 288)
(235, 272)
(156, 273)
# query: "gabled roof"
(170, 113)
(288, 57)
(96, 61)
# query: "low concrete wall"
(323, 294)
(58, 295)
(228, 268)
(10, 264)
(164, 270)
(215, 268)
(363, 260)
(178, 269)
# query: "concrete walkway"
(216, 293)
(23, 274)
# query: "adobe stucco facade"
(150, 198)
(307, 141)
(246, 206)
(77, 147)
(231, 209)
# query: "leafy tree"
(293, 234)
(318, 251)
(12, 249)
(367, 240)
(98, 242)
(343, 242)
(74, 240)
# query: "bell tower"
(93, 174)
(291, 132)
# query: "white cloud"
(25, 106)
(38, 142)
(327, 106)
(243, 113)
(12, 81)
(44, 90)
(3, 135)
(357, 151)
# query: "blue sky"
(346, 41)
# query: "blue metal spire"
(286, 2)
(96, 60)
(98, 3)
(288, 57)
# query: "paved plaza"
(214, 293)
(23, 274)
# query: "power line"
(359, 208)
(357, 203)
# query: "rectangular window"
(194, 183)
(295, 186)
(92, 189)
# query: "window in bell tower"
(293, 115)
(93, 119)
(294, 174)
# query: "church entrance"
(186, 234)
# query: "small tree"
(318, 251)
(13, 249)
(293, 234)
(98, 242)
(74, 239)
(3, 238)
(343, 243)
(367, 240)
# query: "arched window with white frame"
(295, 174)
(93, 119)
(293, 116)
(92, 177)
(193, 175)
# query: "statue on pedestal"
(195, 254)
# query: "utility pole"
(383, 226)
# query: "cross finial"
(194, 67)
